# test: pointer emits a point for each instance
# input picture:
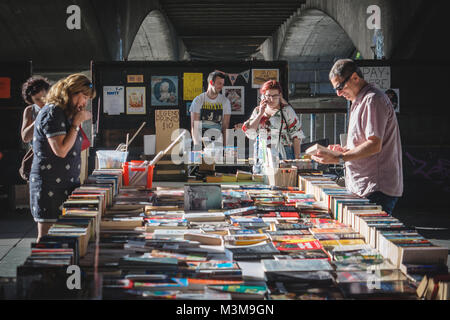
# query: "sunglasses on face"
(342, 84)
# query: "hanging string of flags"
(233, 76)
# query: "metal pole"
(313, 127)
(335, 129)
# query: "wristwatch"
(341, 159)
(77, 128)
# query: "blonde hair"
(61, 93)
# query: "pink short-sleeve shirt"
(372, 114)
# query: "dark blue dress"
(52, 179)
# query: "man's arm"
(195, 130)
(225, 126)
(370, 147)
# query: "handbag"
(25, 167)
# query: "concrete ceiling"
(233, 29)
(151, 30)
(315, 34)
(153, 40)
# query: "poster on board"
(378, 76)
(394, 96)
(5, 88)
(259, 76)
(135, 100)
(113, 100)
(236, 96)
(192, 85)
(164, 90)
(166, 121)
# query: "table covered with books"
(227, 241)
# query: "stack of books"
(316, 241)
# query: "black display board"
(112, 129)
(12, 149)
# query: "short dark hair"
(213, 75)
(344, 68)
(33, 86)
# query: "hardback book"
(243, 175)
(202, 197)
(304, 254)
(254, 252)
(208, 239)
(172, 233)
(377, 290)
(313, 150)
(370, 276)
(121, 223)
(241, 211)
(413, 254)
(295, 265)
(351, 209)
(365, 265)
(242, 291)
(353, 213)
(204, 216)
(297, 245)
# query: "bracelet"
(76, 128)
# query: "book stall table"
(222, 241)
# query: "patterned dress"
(268, 134)
(52, 179)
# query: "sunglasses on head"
(342, 84)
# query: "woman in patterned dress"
(57, 144)
(272, 115)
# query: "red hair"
(269, 85)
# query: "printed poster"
(236, 96)
(166, 121)
(135, 78)
(5, 88)
(113, 100)
(164, 90)
(135, 100)
(259, 76)
(394, 96)
(378, 76)
(192, 85)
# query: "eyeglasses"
(342, 84)
(268, 96)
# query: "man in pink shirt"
(373, 154)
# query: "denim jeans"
(385, 201)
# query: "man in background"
(211, 109)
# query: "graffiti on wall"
(433, 169)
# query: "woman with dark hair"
(274, 122)
(34, 91)
(57, 142)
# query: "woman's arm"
(62, 144)
(27, 125)
(253, 123)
